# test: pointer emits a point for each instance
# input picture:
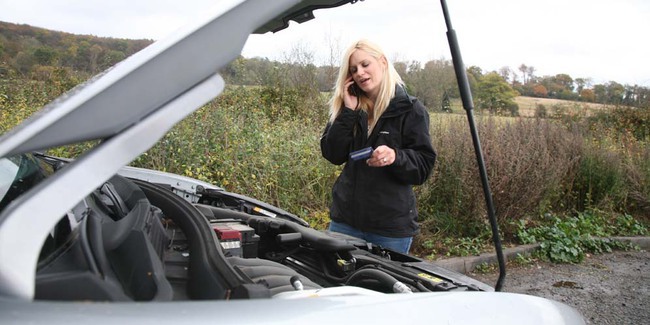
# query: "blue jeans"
(401, 244)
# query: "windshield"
(18, 174)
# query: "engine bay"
(133, 240)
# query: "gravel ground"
(612, 288)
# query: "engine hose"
(399, 277)
(382, 277)
(327, 273)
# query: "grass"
(528, 106)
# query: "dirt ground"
(612, 288)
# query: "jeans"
(401, 244)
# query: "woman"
(373, 198)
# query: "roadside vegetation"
(564, 172)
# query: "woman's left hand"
(382, 156)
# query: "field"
(529, 105)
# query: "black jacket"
(380, 200)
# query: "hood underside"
(135, 88)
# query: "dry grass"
(529, 105)
(527, 161)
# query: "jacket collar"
(401, 103)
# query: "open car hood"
(142, 84)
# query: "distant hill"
(25, 49)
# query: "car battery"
(236, 238)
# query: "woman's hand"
(350, 100)
(382, 156)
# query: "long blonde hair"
(386, 89)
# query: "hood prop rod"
(466, 97)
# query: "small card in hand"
(364, 153)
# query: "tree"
(600, 93)
(298, 70)
(565, 81)
(333, 58)
(615, 93)
(430, 82)
(505, 73)
(111, 58)
(564, 87)
(559, 86)
(540, 91)
(23, 62)
(476, 72)
(93, 57)
(524, 70)
(496, 95)
(587, 95)
(531, 73)
(45, 55)
(582, 83)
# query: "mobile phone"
(354, 90)
(364, 153)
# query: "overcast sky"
(605, 40)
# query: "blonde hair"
(386, 90)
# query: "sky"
(604, 40)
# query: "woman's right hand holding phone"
(350, 99)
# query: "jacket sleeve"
(337, 139)
(415, 160)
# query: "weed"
(485, 268)
(567, 240)
(464, 246)
(523, 260)
(627, 225)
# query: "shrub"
(540, 111)
(637, 170)
(600, 179)
(239, 142)
(623, 120)
(527, 161)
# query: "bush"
(600, 179)
(624, 121)
(527, 160)
(242, 143)
(637, 170)
(614, 171)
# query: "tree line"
(32, 52)
(36, 53)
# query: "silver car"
(90, 240)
